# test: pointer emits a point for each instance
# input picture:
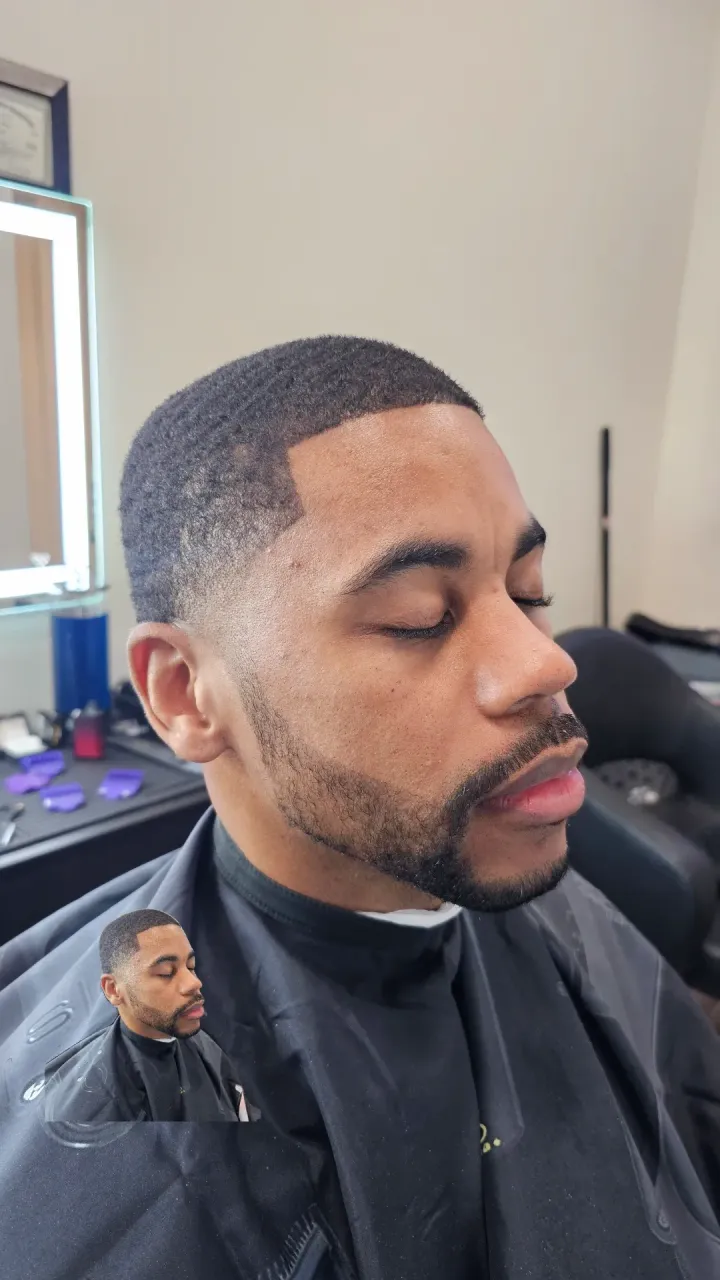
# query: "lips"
(197, 1011)
(548, 792)
(549, 767)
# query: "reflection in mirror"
(49, 472)
(30, 530)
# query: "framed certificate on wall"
(34, 128)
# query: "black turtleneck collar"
(319, 920)
(148, 1044)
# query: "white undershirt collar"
(416, 916)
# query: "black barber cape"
(116, 1074)
(531, 1095)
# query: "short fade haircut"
(119, 939)
(207, 480)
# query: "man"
(153, 1062)
(467, 1064)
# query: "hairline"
(199, 612)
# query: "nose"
(521, 669)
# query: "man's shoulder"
(213, 1054)
(599, 956)
(613, 972)
(96, 1039)
(208, 1048)
(592, 940)
(574, 914)
(92, 1081)
(580, 916)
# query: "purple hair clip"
(20, 783)
(121, 784)
(63, 798)
(49, 763)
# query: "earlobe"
(195, 740)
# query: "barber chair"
(648, 835)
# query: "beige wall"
(505, 187)
(682, 581)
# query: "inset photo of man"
(155, 1062)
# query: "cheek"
(366, 713)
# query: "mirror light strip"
(70, 403)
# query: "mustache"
(554, 732)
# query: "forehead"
(433, 470)
(162, 939)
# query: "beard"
(159, 1021)
(412, 841)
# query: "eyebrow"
(415, 553)
(532, 536)
(408, 555)
(174, 959)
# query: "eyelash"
(170, 975)
(541, 602)
(434, 633)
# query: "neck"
(142, 1028)
(294, 860)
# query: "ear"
(109, 987)
(164, 673)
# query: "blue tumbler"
(80, 660)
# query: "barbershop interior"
(523, 193)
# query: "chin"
(529, 884)
(518, 876)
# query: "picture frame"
(34, 128)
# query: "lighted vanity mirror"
(50, 519)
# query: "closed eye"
(538, 602)
(421, 633)
(446, 622)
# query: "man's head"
(340, 594)
(148, 973)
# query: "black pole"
(605, 524)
